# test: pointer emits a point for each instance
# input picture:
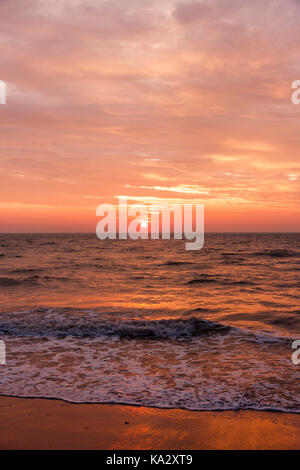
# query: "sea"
(148, 323)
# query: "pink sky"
(153, 100)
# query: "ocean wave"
(203, 278)
(26, 270)
(59, 324)
(274, 253)
(63, 322)
(206, 278)
(9, 281)
(287, 285)
(177, 263)
(277, 253)
(30, 280)
(287, 320)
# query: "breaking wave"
(58, 323)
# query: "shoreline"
(154, 407)
(43, 423)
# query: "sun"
(144, 224)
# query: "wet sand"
(54, 424)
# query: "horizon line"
(171, 233)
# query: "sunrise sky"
(154, 100)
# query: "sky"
(158, 101)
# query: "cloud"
(160, 94)
(190, 12)
(182, 188)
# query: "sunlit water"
(149, 323)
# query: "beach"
(55, 424)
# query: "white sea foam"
(200, 372)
